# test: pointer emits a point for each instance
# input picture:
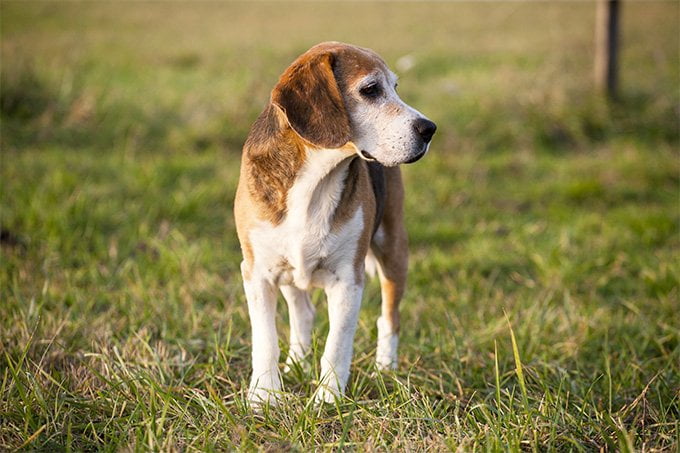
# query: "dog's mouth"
(417, 157)
(365, 155)
(420, 154)
(368, 157)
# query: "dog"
(319, 201)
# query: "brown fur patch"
(391, 294)
(309, 96)
(306, 108)
(376, 172)
(273, 156)
(350, 198)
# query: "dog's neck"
(276, 159)
(310, 216)
(317, 190)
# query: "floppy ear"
(309, 96)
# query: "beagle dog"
(319, 201)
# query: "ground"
(542, 307)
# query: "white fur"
(299, 253)
(344, 300)
(289, 253)
(265, 380)
(384, 127)
(301, 315)
(388, 341)
(371, 264)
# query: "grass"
(543, 295)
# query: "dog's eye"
(371, 91)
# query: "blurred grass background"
(123, 323)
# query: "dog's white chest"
(306, 248)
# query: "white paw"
(388, 341)
(326, 394)
(265, 390)
(385, 364)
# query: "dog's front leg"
(301, 314)
(344, 300)
(265, 381)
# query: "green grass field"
(543, 305)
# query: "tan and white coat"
(319, 196)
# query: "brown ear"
(309, 95)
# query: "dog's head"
(338, 93)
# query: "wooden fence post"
(606, 47)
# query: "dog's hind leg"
(301, 314)
(392, 272)
(390, 248)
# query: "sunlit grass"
(542, 304)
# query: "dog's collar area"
(365, 155)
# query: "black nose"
(425, 129)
